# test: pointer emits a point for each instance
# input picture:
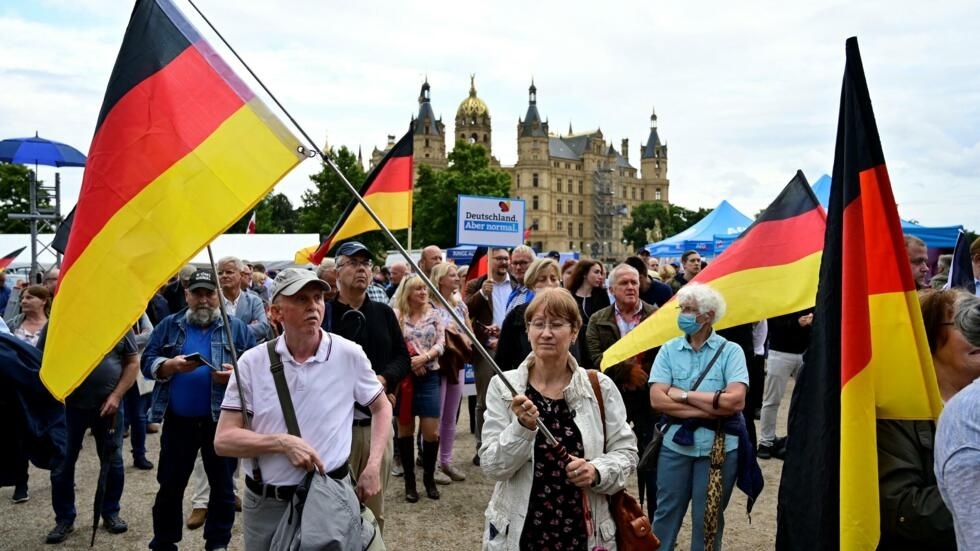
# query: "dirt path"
(453, 522)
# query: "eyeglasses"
(553, 326)
(501, 259)
(519, 262)
(688, 310)
(356, 263)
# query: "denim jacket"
(167, 341)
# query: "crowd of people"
(372, 363)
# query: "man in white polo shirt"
(326, 375)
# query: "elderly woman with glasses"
(700, 418)
(543, 500)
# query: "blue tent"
(939, 237)
(723, 220)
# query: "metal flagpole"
(313, 151)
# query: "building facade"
(579, 190)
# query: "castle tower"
(429, 142)
(653, 164)
(473, 120)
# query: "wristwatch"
(684, 396)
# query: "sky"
(745, 93)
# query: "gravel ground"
(453, 522)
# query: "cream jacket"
(507, 455)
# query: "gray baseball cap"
(289, 282)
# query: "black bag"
(651, 453)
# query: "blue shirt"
(679, 365)
(190, 393)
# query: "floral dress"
(555, 513)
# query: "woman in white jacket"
(540, 500)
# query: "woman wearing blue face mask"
(699, 382)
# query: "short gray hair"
(624, 267)
(967, 318)
(706, 298)
(239, 265)
(523, 249)
(325, 264)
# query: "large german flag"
(9, 258)
(868, 357)
(182, 149)
(387, 190)
(770, 270)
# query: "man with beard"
(356, 316)
(190, 358)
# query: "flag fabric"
(478, 265)
(387, 190)
(961, 269)
(9, 258)
(182, 149)
(251, 224)
(868, 357)
(770, 270)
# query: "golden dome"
(472, 106)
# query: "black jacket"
(378, 333)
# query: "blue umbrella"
(39, 151)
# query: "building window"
(559, 184)
(657, 194)
(559, 226)
(579, 187)
(624, 192)
(580, 229)
(427, 142)
(570, 228)
(643, 194)
(534, 202)
(558, 206)
(580, 208)
(534, 179)
(518, 180)
(633, 193)
(571, 245)
(570, 207)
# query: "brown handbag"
(633, 529)
(458, 352)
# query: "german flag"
(9, 258)
(182, 149)
(478, 265)
(387, 190)
(868, 357)
(770, 270)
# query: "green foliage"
(15, 197)
(469, 173)
(651, 218)
(274, 214)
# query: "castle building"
(578, 189)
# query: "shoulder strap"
(594, 380)
(282, 389)
(707, 368)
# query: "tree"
(15, 197)
(649, 218)
(435, 205)
(273, 214)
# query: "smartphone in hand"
(197, 357)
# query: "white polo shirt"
(323, 388)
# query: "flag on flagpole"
(251, 224)
(961, 269)
(9, 258)
(387, 190)
(478, 265)
(780, 250)
(182, 149)
(868, 357)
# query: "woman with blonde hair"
(425, 337)
(541, 500)
(446, 278)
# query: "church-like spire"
(426, 123)
(532, 126)
(653, 140)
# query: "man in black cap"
(354, 315)
(555, 255)
(189, 356)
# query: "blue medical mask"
(688, 323)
